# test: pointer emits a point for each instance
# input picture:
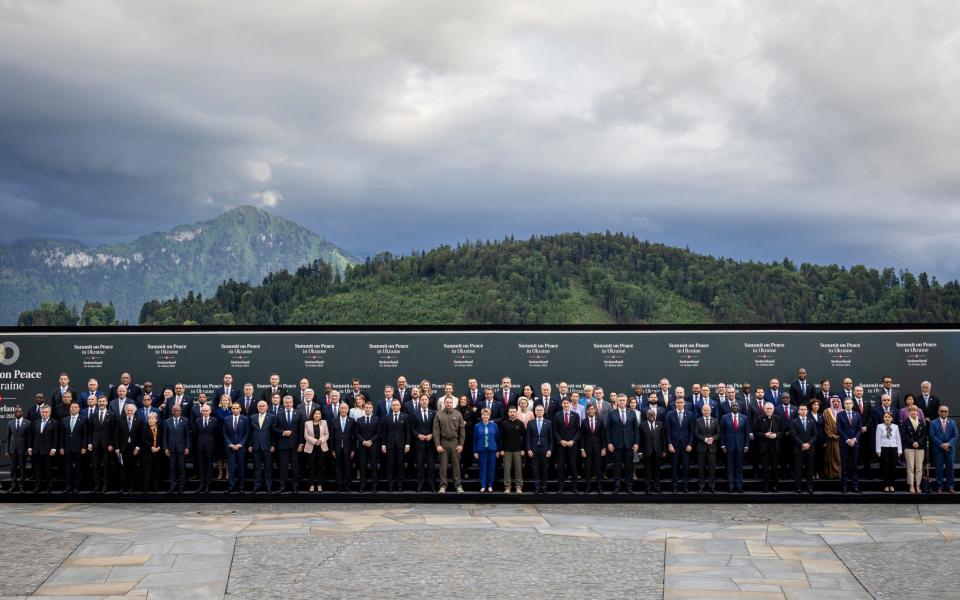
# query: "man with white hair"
(547, 400)
(927, 402)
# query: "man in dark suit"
(824, 393)
(276, 388)
(652, 402)
(539, 447)
(505, 395)
(850, 432)
(498, 410)
(803, 434)
(886, 389)
(801, 390)
(706, 431)
(385, 407)
(550, 404)
(735, 443)
(943, 444)
(705, 398)
(394, 443)
(180, 399)
(767, 431)
(205, 429)
(63, 386)
(864, 408)
(772, 393)
(368, 444)
(128, 436)
(744, 397)
(248, 404)
(927, 402)
(146, 408)
(43, 446)
(885, 405)
(421, 433)
(261, 445)
(679, 424)
(101, 439)
(33, 413)
(235, 430)
(134, 391)
(227, 389)
(566, 435)
(288, 433)
(847, 390)
(176, 446)
(723, 405)
(92, 390)
(344, 436)
(665, 398)
(623, 439)
(18, 438)
(402, 392)
(118, 406)
(787, 411)
(653, 448)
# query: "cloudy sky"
(829, 132)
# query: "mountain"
(568, 278)
(244, 244)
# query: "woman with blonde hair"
(315, 436)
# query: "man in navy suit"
(368, 444)
(801, 390)
(91, 390)
(235, 442)
(623, 439)
(566, 430)
(847, 390)
(848, 428)
(421, 432)
(772, 394)
(260, 445)
(176, 445)
(228, 389)
(288, 433)
(143, 413)
(73, 445)
(666, 399)
(498, 410)
(803, 435)
(943, 442)
(679, 424)
(505, 395)
(385, 406)
(886, 406)
(44, 442)
(205, 429)
(180, 399)
(134, 391)
(546, 399)
(344, 436)
(787, 411)
(248, 403)
(735, 443)
(33, 413)
(729, 397)
(395, 442)
(539, 447)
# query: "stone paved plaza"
(313, 550)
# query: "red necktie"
(944, 425)
(591, 426)
(736, 423)
(566, 420)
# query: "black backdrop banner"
(31, 360)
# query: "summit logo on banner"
(9, 353)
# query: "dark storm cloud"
(820, 131)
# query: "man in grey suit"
(706, 430)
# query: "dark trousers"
(566, 464)
(204, 463)
(622, 461)
(888, 465)
(707, 469)
(130, 469)
(680, 467)
(426, 459)
(943, 466)
(262, 470)
(769, 466)
(803, 462)
(651, 471)
(367, 462)
(42, 471)
(538, 465)
(395, 467)
(343, 465)
(867, 458)
(178, 471)
(315, 462)
(235, 464)
(18, 469)
(100, 465)
(734, 469)
(848, 465)
(72, 470)
(287, 459)
(150, 470)
(592, 469)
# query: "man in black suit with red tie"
(566, 435)
(505, 395)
